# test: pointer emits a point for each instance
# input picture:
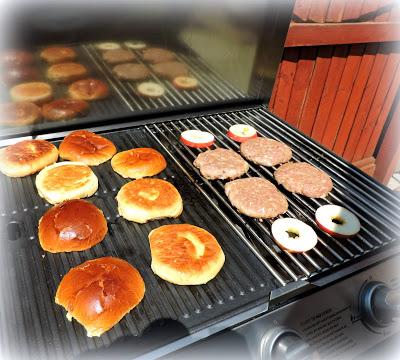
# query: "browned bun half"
(36, 92)
(18, 114)
(63, 109)
(88, 89)
(57, 54)
(73, 225)
(98, 293)
(66, 72)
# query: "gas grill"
(338, 299)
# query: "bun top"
(83, 145)
(26, 151)
(98, 293)
(73, 225)
(30, 89)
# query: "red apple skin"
(195, 145)
(240, 138)
(333, 233)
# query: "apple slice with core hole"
(197, 138)
(241, 132)
(293, 235)
(337, 221)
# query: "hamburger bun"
(57, 54)
(27, 157)
(74, 225)
(86, 147)
(98, 293)
(64, 109)
(36, 92)
(184, 254)
(18, 114)
(138, 163)
(65, 181)
(66, 72)
(88, 89)
(148, 199)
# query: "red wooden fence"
(340, 90)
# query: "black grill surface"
(34, 326)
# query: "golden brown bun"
(63, 109)
(18, 114)
(66, 72)
(86, 147)
(27, 157)
(88, 89)
(57, 54)
(36, 92)
(148, 199)
(184, 254)
(65, 181)
(99, 292)
(74, 225)
(138, 163)
(16, 58)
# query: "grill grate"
(33, 324)
(376, 207)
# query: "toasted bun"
(148, 199)
(66, 72)
(88, 89)
(36, 92)
(18, 114)
(99, 292)
(86, 147)
(27, 157)
(57, 54)
(64, 109)
(66, 180)
(184, 254)
(138, 163)
(73, 225)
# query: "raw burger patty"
(221, 164)
(132, 72)
(305, 179)
(267, 152)
(171, 69)
(256, 197)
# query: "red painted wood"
(343, 95)
(377, 104)
(355, 97)
(365, 104)
(302, 9)
(385, 9)
(329, 92)
(274, 89)
(389, 152)
(315, 90)
(318, 11)
(302, 78)
(352, 10)
(335, 11)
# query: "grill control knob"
(284, 344)
(379, 305)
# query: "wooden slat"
(384, 10)
(274, 89)
(318, 11)
(302, 78)
(355, 98)
(366, 102)
(302, 9)
(330, 90)
(367, 165)
(341, 33)
(377, 104)
(315, 90)
(285, 81)
(335, 11)
(343, 95)
(389, 152)
(352, 10)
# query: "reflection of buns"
(86, 147)
(88, 89)
(66, 72)
(138, 163)
(73, 225)
(63, 109)
(148, 199)
(99, 292)
(66, 180)
(17, 114)
(184, 254)
(57, 54)
(27, 157)
(36, 92)
(15, 58)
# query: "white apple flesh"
(293, 235)
(337, 221)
